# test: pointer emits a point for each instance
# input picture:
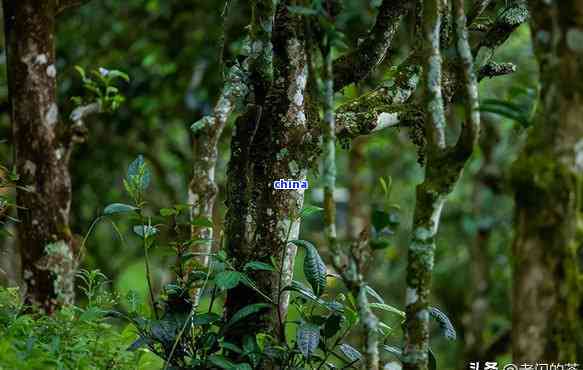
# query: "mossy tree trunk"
(443, 168)
(275, 139)
(547, 178)
(278, 137)
(42, 147)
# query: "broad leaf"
(221, 362)
(205, 318)
(202, 222)
(138, 170)
(227, 279)
(308, 337)
(332, 325)
(245, 312)
(314, 267)
(350, 352)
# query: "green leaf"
(302, 10)
(258, 266)
(119, 208)
(388, 308)
(308, 210)
(201, 222)
(232, 347)
(373, 293)
(245, 312)
(386, 187)
(227, 279)
(165, 212)
(118, 74)
(314, 267)
(397, 352)
(221, 362)
(145, 231)
(432, 361)
(379, 243)
(447, 328)
(139, 173)
(298, 287)
(205, 318)
(332, 325)
(380, 219)
(308, 337)
(350, 352)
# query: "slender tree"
(42, 146)
(444, 165)
(547, 179)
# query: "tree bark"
(273, 140)
(547, 178)
(443, 168)
(45, 240)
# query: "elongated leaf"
(119, 208)
(165, 212)
(202, 222)
(245, 312)
(205, 318)
(445, 324)
(221, 362)
(314, 267)
(308, 210)
(301, 10)
(139, 343)
(332, 325)
(258, 266)
(227, 279)
(388, 308)
(373, 293)
(432, 361)
(308, 337)
(397, 352)
(350, 352)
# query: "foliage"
(73, 338)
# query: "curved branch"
(356, 65)
(66, 4)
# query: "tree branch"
(477, 10)
(66, 4)
(78, 131)
(493, 69)
(356, 65)
(471, 127)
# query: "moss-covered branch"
(356, 65)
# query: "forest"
(291, 184)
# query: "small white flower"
(103, 72)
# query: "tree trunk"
(547, 178)
(272, 141)
(41, 159)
